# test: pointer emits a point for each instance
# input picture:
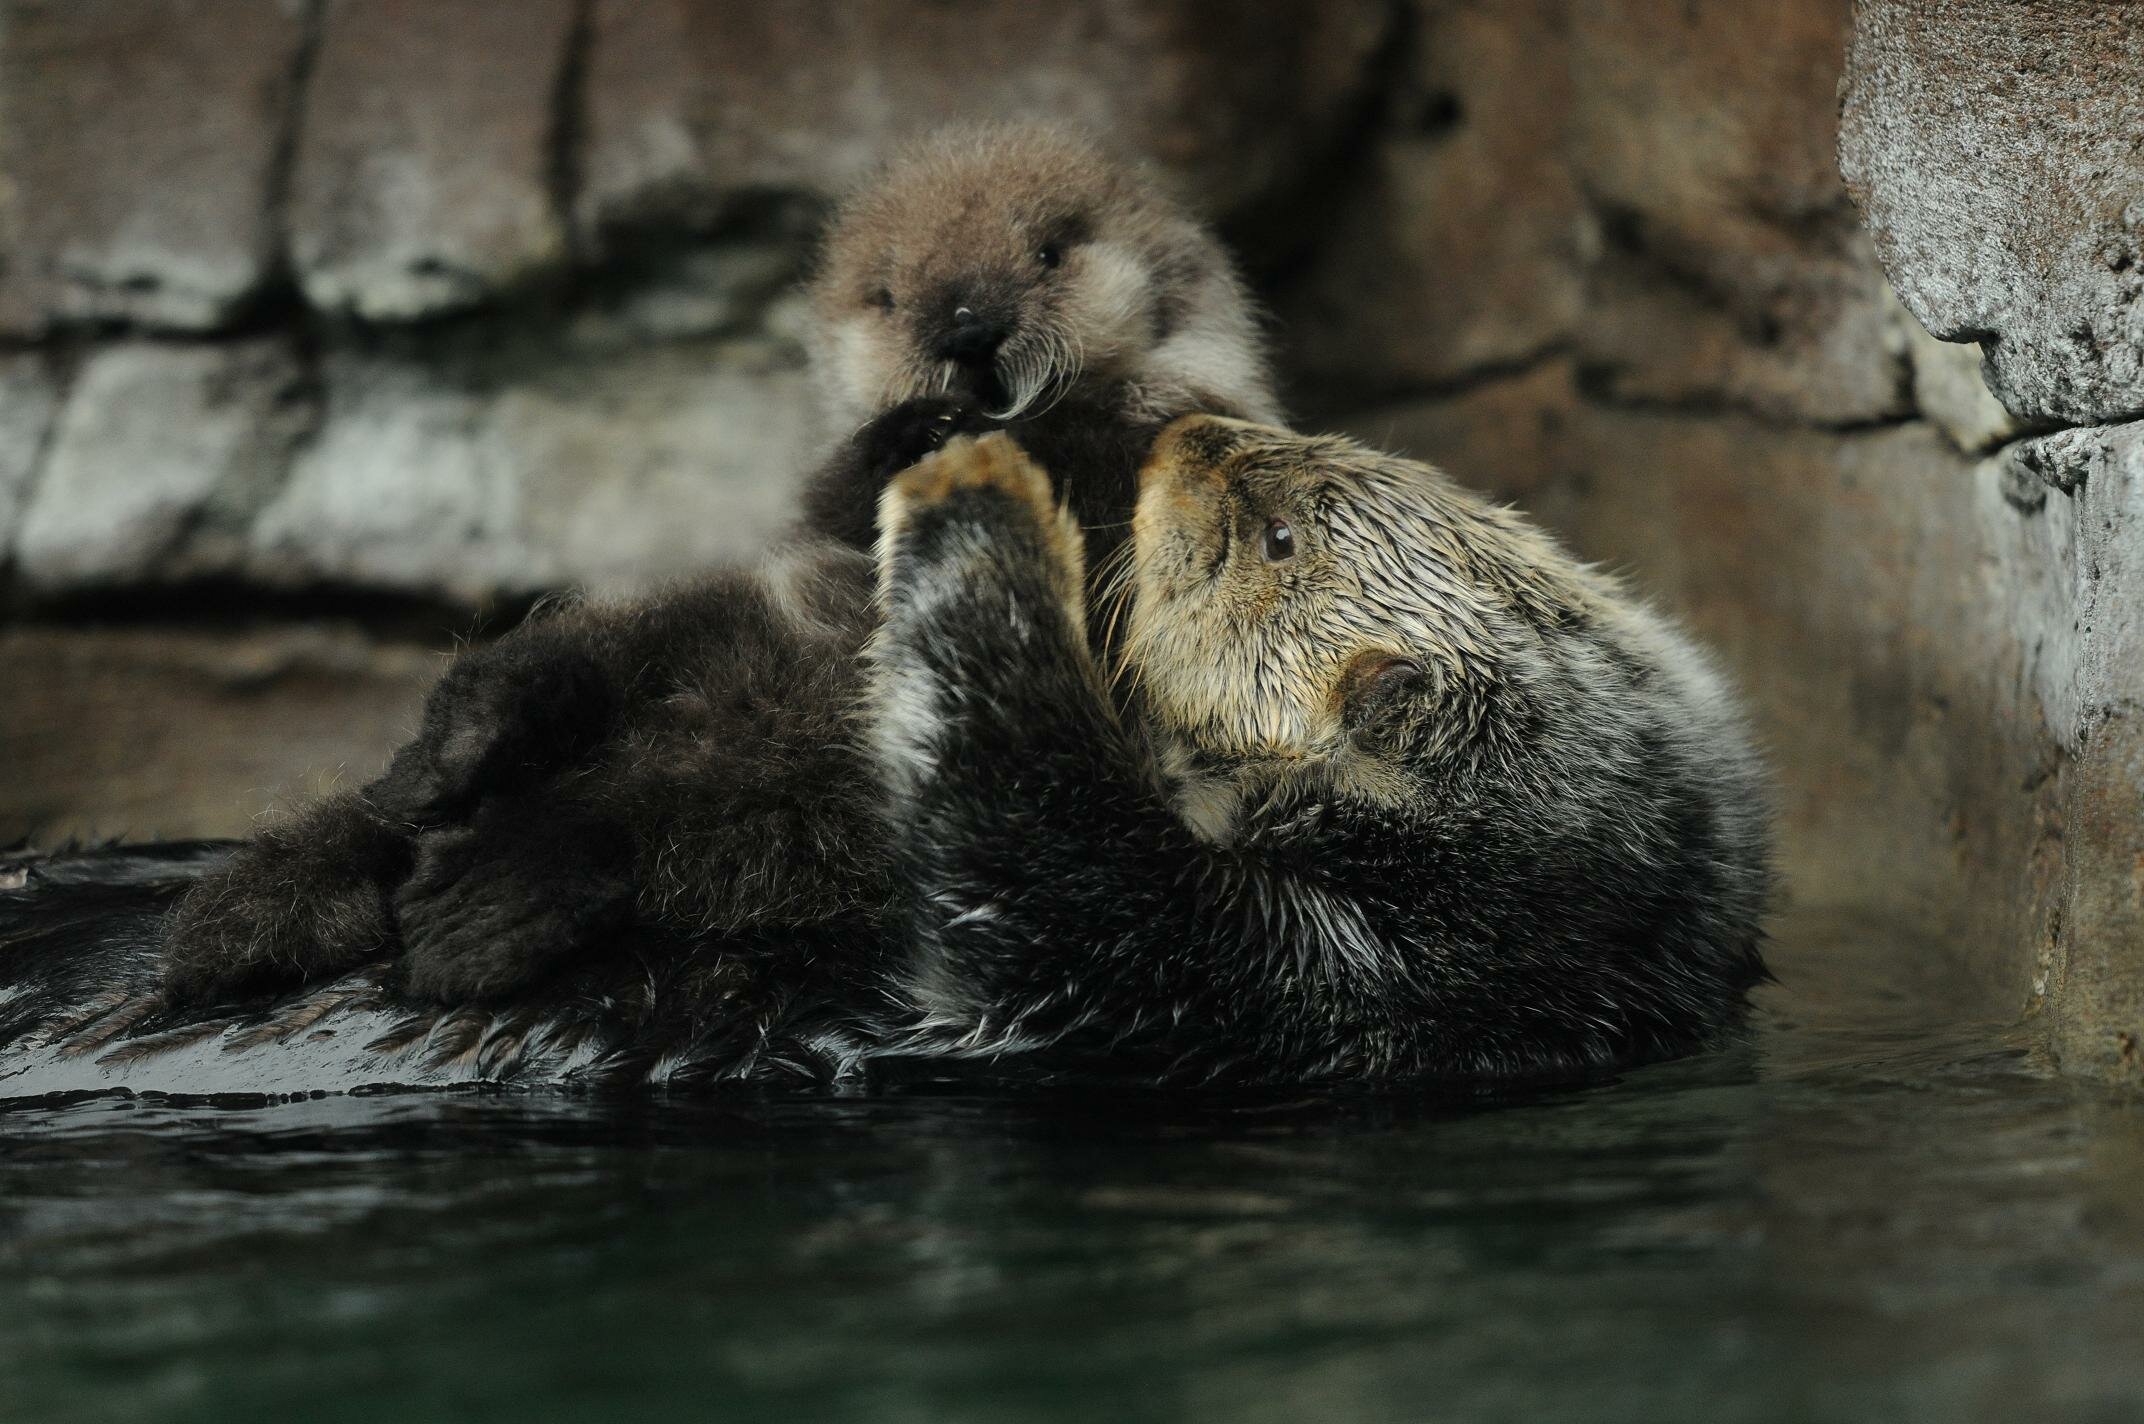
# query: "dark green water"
(1871, 1211)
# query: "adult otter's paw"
(982, 493)
(305, 901)
(493, 905)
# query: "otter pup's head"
(1304, 607)
(1013, 264)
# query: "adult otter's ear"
(1381, 693)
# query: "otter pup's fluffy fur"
(678, 761)
(988, 274)
(1400, 792)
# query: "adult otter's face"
(1303, 600)
(1002, 264)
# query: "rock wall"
(324, 326)
(1996, 151)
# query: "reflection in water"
(1868, 1211)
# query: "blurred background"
(332, 331)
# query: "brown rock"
(163, 732)
(1637, 181)
(693, 104)
(424, 179)
(1732, 266)
(1462, 243)
(137, 152)
(1997, 151)
(2097, 964)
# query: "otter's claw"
(988, 484)
(912, 431)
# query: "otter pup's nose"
(971, 336)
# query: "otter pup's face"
(1011, 264)
(1302, 604)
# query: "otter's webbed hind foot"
(305, 900)
(496, 903)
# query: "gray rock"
(161, 456)
(715, 289)
(424, 180)
(2073, 460)
(1997, 152)
(1732, 268)
(1468, 176)
(137, 149)
(694, 105)
(1633, 181)
(1948, 388)
(28, 397)
(610, 472)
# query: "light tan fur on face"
(1145, 296)
(1239, 661)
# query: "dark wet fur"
(653, 840)
(1055, 906)
(686, 763)
(80, 956)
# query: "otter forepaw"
(987, 462)
(982, 496)
(913, 431)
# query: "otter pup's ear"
(1379, 690)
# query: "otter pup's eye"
(882, 298)
(1279, 541)
(1049, 254)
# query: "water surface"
(1873, 1209)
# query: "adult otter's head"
(1013, 264)
(1304, 607)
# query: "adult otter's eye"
(1279, 541)
(882, 298)
(1049, 254)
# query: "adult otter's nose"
(971, 337)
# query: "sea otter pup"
(1400, 792)
(993, 272)
(675, 761)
